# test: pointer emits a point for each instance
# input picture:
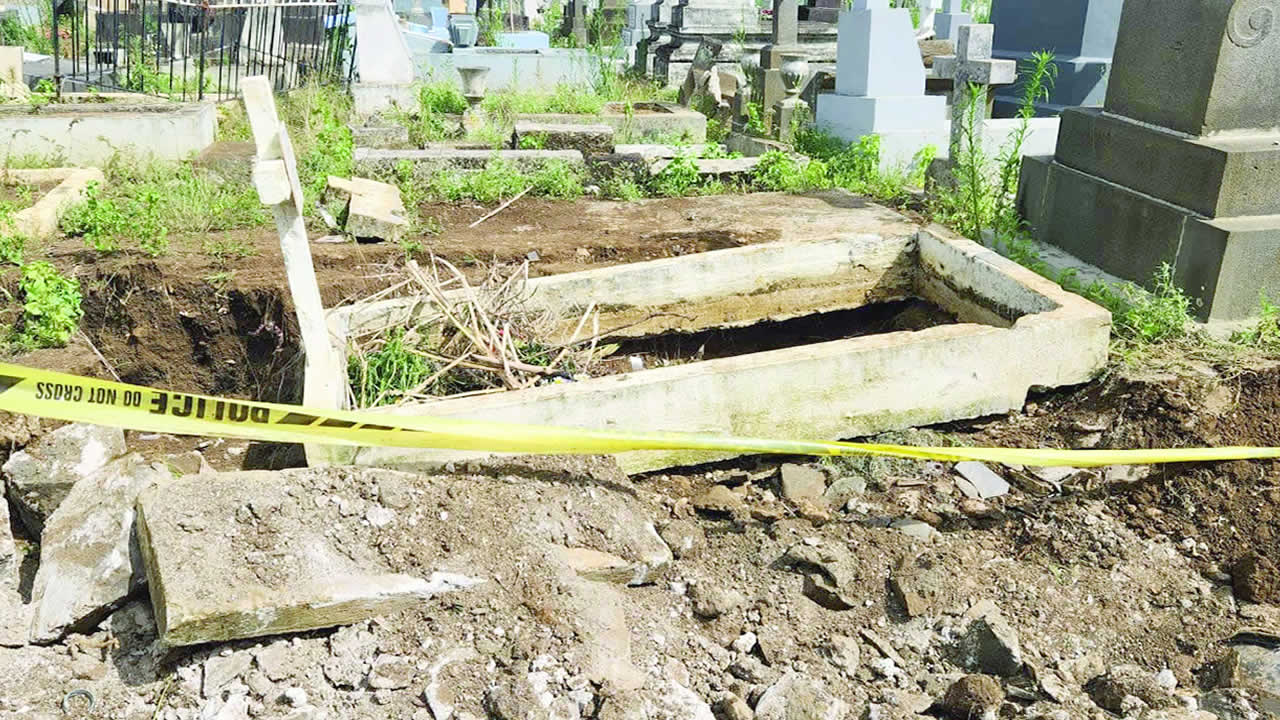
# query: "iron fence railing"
(193, 51)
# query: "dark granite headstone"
(1183, 165)
(1080, 33)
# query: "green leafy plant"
(34, 38)
(381, 376)
(679, 178)
(1163, 313)
(11, 248)
(1265, 334)
(51, 307)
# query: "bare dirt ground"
(852, 589)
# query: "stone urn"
(795, 71)
(473, 84)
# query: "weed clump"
(51, 307)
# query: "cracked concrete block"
(87, 551)
(247, 554)
(40, 476)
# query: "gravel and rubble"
(756, 589)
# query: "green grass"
(501, 180)
(381, 377)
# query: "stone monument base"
(1081, 81)
(1202, 205)
(855, 116)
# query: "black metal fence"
(192, 51)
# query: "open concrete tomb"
(989, 331)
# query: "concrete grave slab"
(40, 221)
(586, 139)
(247, 554)
(644, 121)
(86, 134)
(1012, 325)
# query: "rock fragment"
(14, 615)
(973, 696)
(41, 475)
(992, 645)
(802, 482)
(222, 669)
(1256, 578)
(391, 672)
(686, 539)
(795, 697)
(844, 653)
(711, 602)
(87, 549)
(1121, 685)
(980, 482)
(732, 707)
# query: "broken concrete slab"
(377, 217)
(586, 139)
(375, 209)
(40, 221)
(212, 578)
(41, 475)
(426, 164)
(87, 549)
(14, 616)
(981, 481)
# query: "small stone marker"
(208, 584)
(11, 85)
(982, 483)
(972, 65)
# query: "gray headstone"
(1181, 168)
(1198, 67)
(1081, 34)
(786, 22)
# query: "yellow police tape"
(79, 399)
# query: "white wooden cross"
(275, 176)
(972, 65)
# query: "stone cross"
(972, 65)
(275, 176)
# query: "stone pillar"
(1181, 167)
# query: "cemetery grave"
(821, 236)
